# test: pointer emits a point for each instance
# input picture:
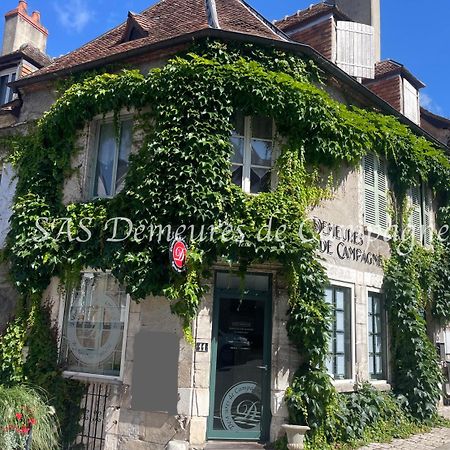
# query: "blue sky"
(413, 33)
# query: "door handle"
(263, 368)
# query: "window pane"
(105, 161)
(11, 93)
(340, 326)
(329, 296)
(3, 89)
(238, 156)
(340, 299)
(378, 344)
(239, 124)
(259, 180)
(237, 175)
(340, 343)
(94, 326)
(262, 128)
(126, 138)
(340, 367)
(261, 153)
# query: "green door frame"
(264, 435)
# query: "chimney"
(21, 28)
(367, 12)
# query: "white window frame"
(377, 228)
(247, 157)
(63, 303)
(9, 92)
(350, 381)
(95, 130)
(385, 318)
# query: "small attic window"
(136, 33)
(134, 29)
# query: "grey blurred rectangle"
(155, 372)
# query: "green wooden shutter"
(375, 191)
(427, 212)
(415, 219)
(370, 210)
(382, 203)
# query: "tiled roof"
(390, 67)
(435, 119)
(30, 52)
(308, 14)
(166, 20)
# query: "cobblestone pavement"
(438, 439)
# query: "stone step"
(235, 445)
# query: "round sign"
(178, 252)
(87, 339)
(240, 409)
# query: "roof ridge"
(265, 21)
(213, 18)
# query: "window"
(6, 93)
(377, 337)
(375, 192)
(420, 218)
(93, 330)
(112, 158)
(339, 362)
(252, 161)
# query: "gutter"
(294, 47)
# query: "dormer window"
(136, 28)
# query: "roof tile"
(166, 20)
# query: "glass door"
(240, 372)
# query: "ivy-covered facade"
(293, 193)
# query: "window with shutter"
(375, 192)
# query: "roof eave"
(292, 46)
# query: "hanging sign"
(177, 254)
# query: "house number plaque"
(201, 347)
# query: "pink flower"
(19, 416)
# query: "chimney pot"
(23, 6)
(36, 17)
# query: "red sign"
(178, 252)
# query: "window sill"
(344, 385)
(92, 378)
(381, 385)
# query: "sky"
(413, 33)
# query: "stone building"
(148, 388)
(23, 52)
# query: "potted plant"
(295, 436)
(26, 420)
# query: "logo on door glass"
(240, 408)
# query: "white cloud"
(428, 103)
(73, 15)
